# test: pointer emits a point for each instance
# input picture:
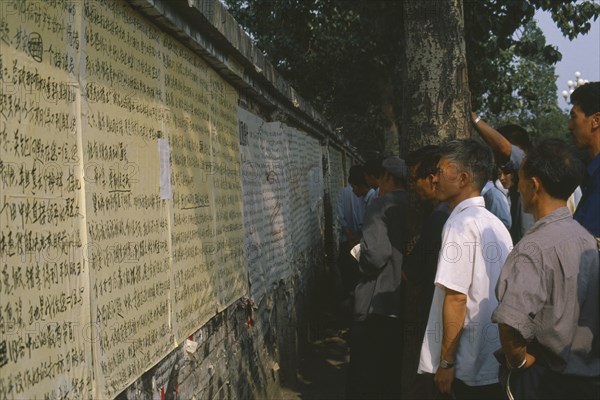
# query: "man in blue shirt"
(584, 125)
(351, 207)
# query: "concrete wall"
(252, 349)
(175, 196)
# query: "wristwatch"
(446, 364)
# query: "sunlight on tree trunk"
(436, 98)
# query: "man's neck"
(462, 197)
(547, 206)
(594, 149)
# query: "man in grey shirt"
(375, 359)
(548, 312)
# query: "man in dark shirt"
(584, 124)
(419, 269)
(548, 291)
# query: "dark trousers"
(460, 391)
(375, 359)
(540, 382)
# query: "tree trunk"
(391, 134)
(436, 98)
(435, 107)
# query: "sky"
(582, 54)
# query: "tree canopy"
(345, 56)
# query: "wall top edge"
(209, 30)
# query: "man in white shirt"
(460, 339)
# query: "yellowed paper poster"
(45, 333)
(229, 276)
(187, 99)
(128, 243)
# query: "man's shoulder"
(393, 198)
(440, 213)
(494, 194)
(559, 233)
(594, 168)
(469, 214)
(516, 156)
(477, 221)
(344, 192)
(376, 207)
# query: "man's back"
(549, 291)
(351, 211)
(378, 291)
(497, 203)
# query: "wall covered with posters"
(143, 213)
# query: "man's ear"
(596, 120)
(429, 179)
(465, 179)
(537, 184)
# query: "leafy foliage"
(343, 56)
(531, 78)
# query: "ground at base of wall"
(323, 368)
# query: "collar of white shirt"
(476, 201)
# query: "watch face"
(445, 364)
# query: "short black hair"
(508, 168)
(425, 158)
(472, 157)
(587, 97)
(356, 176)
(373, 167)
(516, 135)
(555, 165)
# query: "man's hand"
(443, 379)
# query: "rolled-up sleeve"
(516, 156)
(521, 290)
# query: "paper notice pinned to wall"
(164, 152)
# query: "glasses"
(449, 169)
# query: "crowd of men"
(497, 294)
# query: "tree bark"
(436, 98)
(391, 132)
(435, 107)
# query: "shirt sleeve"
(375, 248)
(516, 156)
(455, 262)
(521, 290)
(340, 209)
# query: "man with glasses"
(460, 339)
(419, 269)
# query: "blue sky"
(582, 54)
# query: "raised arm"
(499, 144)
